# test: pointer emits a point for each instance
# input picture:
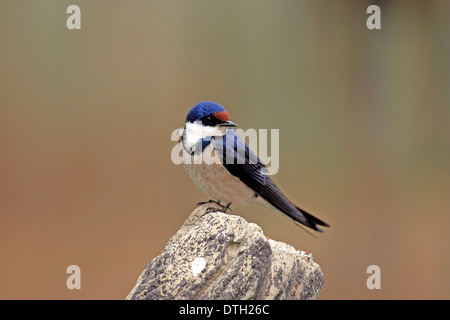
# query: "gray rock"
(221, 256)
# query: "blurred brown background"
(86, 117)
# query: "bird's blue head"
(209, 114)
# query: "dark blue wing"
(241, 162)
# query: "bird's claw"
(223, 210)
(209, 201)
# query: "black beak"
(228, 124)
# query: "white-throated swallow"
(222, 165)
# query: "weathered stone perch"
(221, 256)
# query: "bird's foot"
(223, 210)
(209, 201)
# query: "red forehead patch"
(222, 116)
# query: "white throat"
(196, 131)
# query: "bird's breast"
(214, 179)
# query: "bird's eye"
(208, 119)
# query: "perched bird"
(209, 142)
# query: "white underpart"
(207, 172)
(196, 131)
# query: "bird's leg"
(223, 210)
(209, 201)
